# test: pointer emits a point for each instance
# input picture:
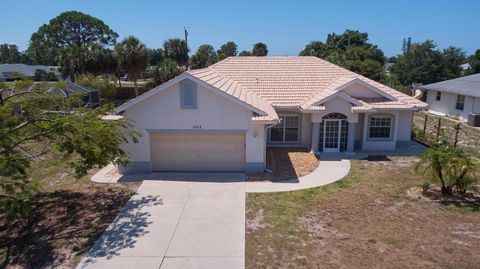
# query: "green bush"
(103, 84)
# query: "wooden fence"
(430, 129)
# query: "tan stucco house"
(222, 118)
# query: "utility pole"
(186, 46)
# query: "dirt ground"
(287, 163)
(70, 215)
(365, 220)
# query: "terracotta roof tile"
(297, 81)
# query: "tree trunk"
(447, 190)
(119, 82)
(135, 87)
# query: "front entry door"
(331, 131)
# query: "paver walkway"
(177, 223)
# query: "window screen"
(460, 102)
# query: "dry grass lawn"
(365, 220)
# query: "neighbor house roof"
(6, 70)
(298, 81)
(469, 86)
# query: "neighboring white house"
(455, 97)
(223, 117)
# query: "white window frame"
(391, 127)
(284, 127)
(438, 97)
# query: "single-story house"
(91, 96)
(457, 98)
(223, 117)
(8, 71)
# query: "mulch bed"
(286, 163)
(67, 224)
(434, 194)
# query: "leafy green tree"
(245, 53)
(352, 51)
(101, 61)
(9, 54)
(176, 49)
(227, 50)
(205, 56)
(453, 57)
(36, 124)
(424, 63)
(448, 165)
(132, 56)
(474, 61)
(259, 49)
(68, 39)
(42, 75)
(155, 56)
(167, 70)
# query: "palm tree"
(132, 56)
(177, 50)
(449, 165)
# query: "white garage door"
(198, 151)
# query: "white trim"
(337, 149)
(369, 86)
(341, 95)
(186, 75)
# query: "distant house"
(91, 95)
(8, 71)
(457, 98)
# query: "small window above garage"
(188, 94)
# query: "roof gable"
(246, 101)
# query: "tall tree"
(132, 56)
(9, 54)
(227, 50)
(101, 61)
(71, 34)
(453, 57)
(352, 51)
(245, 53)
(205, 56)
(424, 63)
(176, 49)
(474, 61)
(259, 49)
(155, 56)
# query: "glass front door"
(331, 131)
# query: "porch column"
(352, 129)
(315, 136)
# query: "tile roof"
(292, 81)
(469, 86)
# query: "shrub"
(425, 187)
(449, 165)
(103, 84)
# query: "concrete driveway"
(177, 221)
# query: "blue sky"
(285, 26)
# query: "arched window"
(335, 116)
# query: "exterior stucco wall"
(162, 113)
(448, 102)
